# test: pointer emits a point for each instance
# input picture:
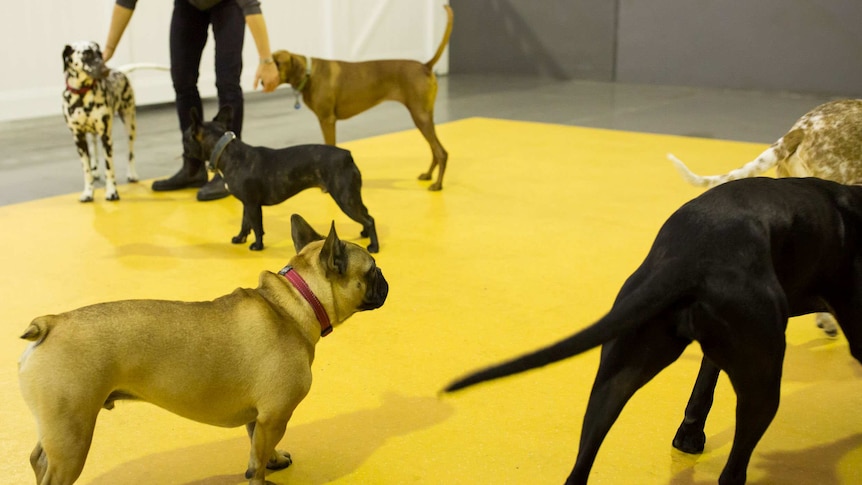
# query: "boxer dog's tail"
(780, 150)
(649, 299)
(445, 40)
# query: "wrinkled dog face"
(83, 60)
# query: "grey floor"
(39, 160)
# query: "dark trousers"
(187, 38)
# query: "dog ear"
(282, 63)
(195, 116)
(224, 116)
(333, 256)
(67, 51)
(302, 232)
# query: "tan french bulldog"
(241, 359)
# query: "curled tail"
(445, 40)
(780, 150)
(649, 299)
(37, 331)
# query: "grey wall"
(554, 38)
(809, 46)
(792, 45)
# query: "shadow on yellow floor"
(536, 229)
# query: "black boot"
(193, 174)
(214, 189)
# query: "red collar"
(301, 286)
(79, 91)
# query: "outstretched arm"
(267, 73)
(119, 20)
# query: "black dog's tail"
(648, 300)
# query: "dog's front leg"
(690, 437)
(264, 435)
(327, 127)
(84, 154)
(245, 228)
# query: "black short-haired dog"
(727, 270)
(260, 176)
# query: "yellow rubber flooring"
(537, 227)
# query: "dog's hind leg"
(129, 118)
(59, 457)
(690, 437)
(252, 220)
(750, 349)
(351, 204)
(627, 363)
(84, 154)
(423, 118)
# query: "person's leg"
(188, 36)
(228, 26)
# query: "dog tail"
(445, 40)
(649, 299)
(37, 331)
(780, 150)
(127, 68)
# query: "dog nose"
(377, 292)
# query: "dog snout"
(378, 289)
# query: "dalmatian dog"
(93, 94)
(823, 143)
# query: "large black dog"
(260, 176)
(727, 270)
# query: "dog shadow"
(323, 450)
(817, 464)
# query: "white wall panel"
(35, 34)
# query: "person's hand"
(107, 53)
(267, 76)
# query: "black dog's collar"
(219, 147)
(291, 275)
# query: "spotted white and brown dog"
(93, 94)
(826, 143)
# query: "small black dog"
(727, 270)
(260, 176)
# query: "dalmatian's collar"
(84, 89)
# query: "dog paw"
(437, 186)
(373, 248)
(85, 198)
(279, 460)
(828, 324)
(425, 176)
(114, 196)
(132, 179)
(692, 444)
(256, 246)
(238, 239)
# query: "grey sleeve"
(249, 7)
(129, 4)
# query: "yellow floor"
(537, 227)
